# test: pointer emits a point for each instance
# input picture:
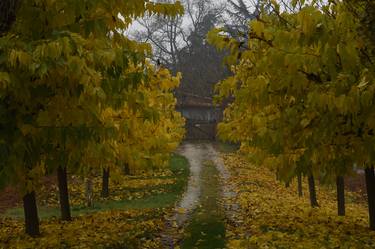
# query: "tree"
(302, 97)
(240, 14)
(8, 9)
(200, 64)
(364, 13)
(166, 35)
(179, 45)
(59, 68)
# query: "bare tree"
(179, 44)
(165, 35)
(168, 36)
(240, 12)
(201, 64)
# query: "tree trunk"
(313, 200)
(277, 175)
(340, 195)
(105, 183)
(126, 169)
(287, 184)
(8, 9)
(31, 214)
(370, 186)
(89, 192)
(299, 178)
(62, 179)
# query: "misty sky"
(136, 26)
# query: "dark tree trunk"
(31, 214)
(105, 183)
(277, 175)
(299, 179)
(340, 195)
(287, 184)
(370, 186)
(8, 9)
(89, 192)
(126, 169)
(313, 200)
(62, 179)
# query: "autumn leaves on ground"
(133, 215)
(141, 211)
(92, 150)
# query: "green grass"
(227, 147)
(207, 226)
(178, 165)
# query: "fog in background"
(179, 44)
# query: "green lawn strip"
(226, 147)
(207, 226)
(179, 167)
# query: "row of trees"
(79, 96)
(303, 89)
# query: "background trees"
(179, 45)
(240, 12)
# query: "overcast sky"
(136, 26)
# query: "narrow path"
(206, 228)
(201, 211)
(195, 153)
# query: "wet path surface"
(201, 211)
(196, 154)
